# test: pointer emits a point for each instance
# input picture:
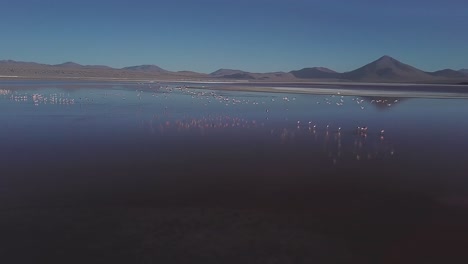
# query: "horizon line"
(208, 73)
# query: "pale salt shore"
(422, 94)
(349, 92)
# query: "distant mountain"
(225, 72)
(240, 76)
(243, 75)
(387, 69)
(233, 74)
(146, 68)
(274, 76)
(21, 63)
(69, 64)
(448, 73)
(75, 70)
(102, 67)
(315, 73)
(21, 68)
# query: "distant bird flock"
(366, 143)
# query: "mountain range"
(384, 69)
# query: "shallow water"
(377, 167)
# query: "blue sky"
(255, 35)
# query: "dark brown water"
(101, 173)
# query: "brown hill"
(69, 64)
(226, 72)
(230, 74)
(315, 73)
(448, 73)
(146, 68)
(74, 70)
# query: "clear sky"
(253, 35)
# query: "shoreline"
(227, 81)
(403, 90)
(344, 92)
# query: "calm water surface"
(359, 179)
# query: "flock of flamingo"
(37, 98)
(163, 122)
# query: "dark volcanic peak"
(387, 61)
(387, 58)
(387, 69)
(315, 73)
(448, 73)
(69, 64)
(145, 68)
(465, 71)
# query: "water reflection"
(336, 143)
(200, 126)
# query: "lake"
(157, 172)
